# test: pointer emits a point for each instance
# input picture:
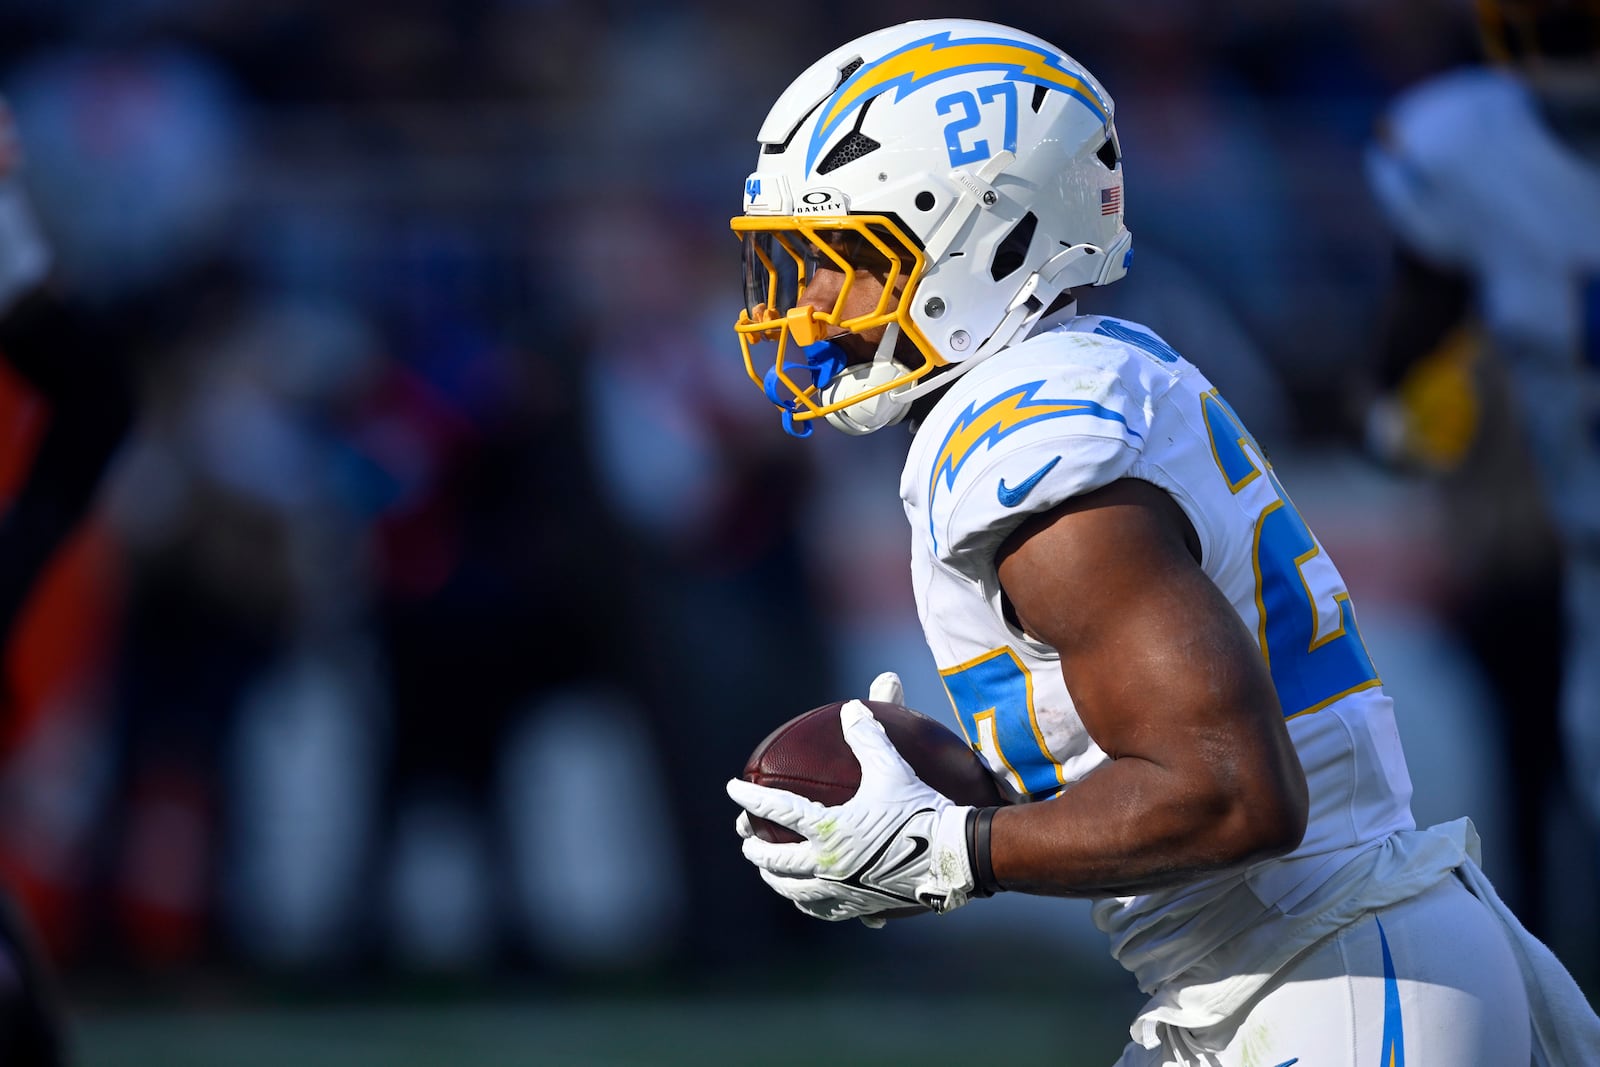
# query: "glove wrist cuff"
(978, 852)
(948, 883)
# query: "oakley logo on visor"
(821, 202)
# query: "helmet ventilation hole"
(925, 201)
(1039, 93)
(1013, 251)
(855, 145)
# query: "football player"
(46, 345)
(47, 342)
(1136, 628)
(1490, 180)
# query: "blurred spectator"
(1477, 274)
(139, 146)
(54, 360)
(732, 638)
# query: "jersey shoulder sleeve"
(1434, 148)
(1054, 417)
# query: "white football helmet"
(970, 169)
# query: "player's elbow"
(1282, 830)
(1269, 818)
(1251, 808)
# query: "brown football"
(808, 755)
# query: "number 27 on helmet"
(923, 195)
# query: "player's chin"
(907, 354)
(858, 348)
(863, 348)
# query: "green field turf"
(837, 1031)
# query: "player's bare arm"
(1169, 683)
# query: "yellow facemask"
(783, 256)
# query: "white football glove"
(886, 688)
(898, 842)
(24, 255)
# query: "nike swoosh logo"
(919, 845)
(858, 879)
(1290, 1063)
(1010, 497)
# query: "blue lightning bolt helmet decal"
(998, 419)
(931, 59)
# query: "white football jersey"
(1078, 406)
(1471, 178)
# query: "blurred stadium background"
(380, 713)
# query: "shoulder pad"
(1028, 434)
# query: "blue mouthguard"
(824, 360)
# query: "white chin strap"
(891, 405)
(1082, 264)
(873, 413)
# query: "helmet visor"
(782, 256)
(776, 267)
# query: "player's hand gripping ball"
(890, 847)
(808, 755)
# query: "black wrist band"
(978, 821)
